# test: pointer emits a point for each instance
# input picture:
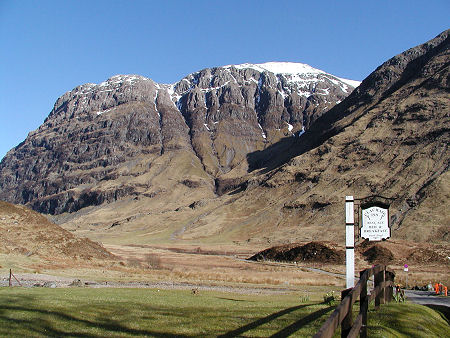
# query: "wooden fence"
(382, 293)
(11, 276)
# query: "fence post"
(11, 275)
(363, 303)
(379, 279)
(390, 288)
(347, 322)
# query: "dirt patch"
(310, 252)
(423, 255)
(363, 246)
(378, 254)
(399, 252)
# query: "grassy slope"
(163, 313)
(407, 320)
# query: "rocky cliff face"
(235, 110)
(103, 142)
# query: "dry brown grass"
(222, 264)
(32, 244)
(227, 264)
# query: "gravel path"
(43, 280)
(32, 279)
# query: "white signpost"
(405, 268)
(375, 227)
(350, 241)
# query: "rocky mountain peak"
(281, 93)
(93, 98)
(98, 133)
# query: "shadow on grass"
(302, 322)
(53, 328)
(234, 300)
(286, 331)
(443, 310)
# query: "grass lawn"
(407, 320)
(88, 312)
(76, 312)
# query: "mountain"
(130, 136)
(162, 170)
(389, 137)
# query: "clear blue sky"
(50, 47)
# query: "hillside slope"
(27, 234)
(389, 137)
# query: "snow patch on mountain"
(292, 72)
(282, 68)
(292, 68)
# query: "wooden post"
(11, 275)
(363, 303)
(378, 279)
(347, 322)
(390, 288)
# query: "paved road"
(427, 298)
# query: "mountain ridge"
(218, 115)
(225, 182)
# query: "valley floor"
(217, 267)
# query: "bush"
(330, 298)
(154, 261)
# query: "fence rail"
(381, 293)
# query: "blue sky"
(50, 47)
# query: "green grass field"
(86, 312)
